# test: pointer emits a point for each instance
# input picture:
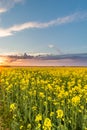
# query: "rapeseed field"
(46, 98)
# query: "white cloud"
(5, 5)
(5, 32)
(51, 46)
(55, 48)
(28, 25)
(2, 10)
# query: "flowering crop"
(46, 98)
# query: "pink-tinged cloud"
(35, 62)
(42, 62)
(28, 25)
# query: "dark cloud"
(48, 60)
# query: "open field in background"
(46, 98)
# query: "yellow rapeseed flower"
(41, 94)
(59, 113)
(47, 124)
(51, 114)
(75, 100)
(13, 107)
(34, 108)
(21, 127)
(29, 126)
(38, 118)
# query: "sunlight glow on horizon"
(3, 61)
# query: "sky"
(43, 27)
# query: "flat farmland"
(43, 98)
